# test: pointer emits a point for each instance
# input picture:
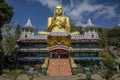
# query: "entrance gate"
(59, 64)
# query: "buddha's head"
(58, 10)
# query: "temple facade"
(84, 49)
(58, 45)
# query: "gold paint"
(59, 22)
(59, 40)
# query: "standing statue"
(58, 23)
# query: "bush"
(74, 71)
(44, 71)
(79, 74)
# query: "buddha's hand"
(58, 23)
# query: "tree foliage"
(9, 41)
(10, 33)
(6, 12)
(17, 32)
(114, 36)
(103, 36)
(107, 59)
(76, 28)
(9, 45)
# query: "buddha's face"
(58, 10)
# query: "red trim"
(59, 34)
(59, 48)
(85, 40)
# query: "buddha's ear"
(62, 12)
(54, 13)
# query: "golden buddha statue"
(58, 23)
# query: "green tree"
(17, 32)
(6, 13)
(9, 41)
(108, 60)
(114, 36)
(103, 36)
(76, 28)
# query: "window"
(76, 54)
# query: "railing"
(40, 37)
(72, 37)
(87, 58)
(31, 58)
(85, 45)
(85, 49)
(32, 49)
(83, 37)
(39, 46)
(72, 49)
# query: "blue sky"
(105, 13)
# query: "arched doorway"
(59, 52)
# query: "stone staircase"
(59, 67)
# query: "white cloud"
(49, 3)
(77, 8)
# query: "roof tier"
(29, 25)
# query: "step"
(59, 67)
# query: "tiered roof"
(89, 22)
(29, 25)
